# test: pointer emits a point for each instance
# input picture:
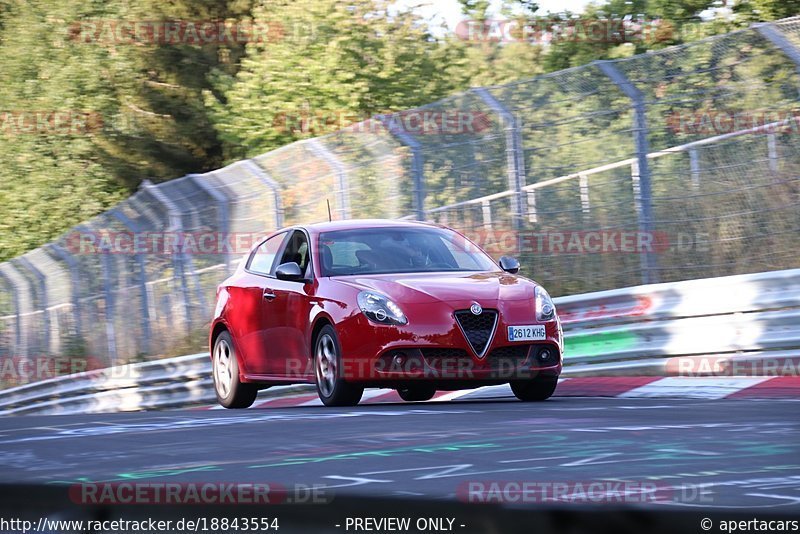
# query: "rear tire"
(332, 388)
(537, 389)
(417, 393)
(231, 392)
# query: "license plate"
(534, 332)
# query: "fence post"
(342, 181)
(776, 37)
(224, 217)
(110, 304)
(649, 264)
(141, 279)
(180, 260)
(19, 350)
(769, 32)
(515, 157)
(262, 175)
(58, 252)
(41, 301)
(417, 162)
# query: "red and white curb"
(629, 387)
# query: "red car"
(405, 305)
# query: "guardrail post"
(342, 181)
(42, 300)
(417, 163)
(694, 167)
(262, 175)
(515, 157)
(224, 216)
(772, 151)
(141, 280)
(57, 252)
(583, 184)
(19, 349)
(533, 216)
(649, 264)
(181, 262)
(486, 209)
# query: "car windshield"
(398, 250)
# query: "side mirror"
(289, 271)
(509, 264)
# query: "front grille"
(510, 357)
(478, 329)
(444, 358)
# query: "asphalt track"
(710, 454)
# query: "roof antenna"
(329, 209)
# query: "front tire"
(231, 392)
(417, 393)
(537, 389)
(332, 388)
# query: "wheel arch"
(218, 328)
(319, 322)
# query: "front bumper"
(433, 347)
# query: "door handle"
(268, 294)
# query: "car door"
(252, 314)
(287, 312)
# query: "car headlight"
(380, 309)
(545, 309)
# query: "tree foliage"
(159, 110)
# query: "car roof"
(353, 224)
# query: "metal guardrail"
(170, 383)
(733, 324)
(727, 325)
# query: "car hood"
(451, 287)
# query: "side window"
(296, 250)
(264, 256)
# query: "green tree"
(143, 101)
(765, 10)
(335, 63)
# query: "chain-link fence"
(672, 165)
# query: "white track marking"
(452, 395)
(694, 387)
